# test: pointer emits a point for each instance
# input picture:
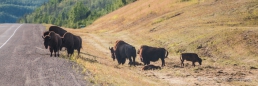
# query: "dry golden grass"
(222, 32)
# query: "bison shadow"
(151, 67)
(136, 63)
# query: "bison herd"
(56, 38)
(122, 51)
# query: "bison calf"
(190, 57)
(151, 67)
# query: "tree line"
(72, 13)
(12, 10)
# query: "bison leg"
(67, 52)
(148, 62)
(123, 60)
(55, 54)
(163, 62)
(58, 53)
(134, 61)
(130, 61)
(78, 51)
(55, 51)
(193, 63)
(182, 63)
(58, 48)
(119, 62)
(51, 51)
(143, 60)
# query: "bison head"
(46, 41)
(112, 53)
(200, 61)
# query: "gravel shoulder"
(25, 61)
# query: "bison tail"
(166, 55)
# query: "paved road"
(25, 62)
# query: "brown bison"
(68, 42)
(123, 50)
(148, 54)
(190, 57)
(72, 42)
(53, 41)
(59, 31)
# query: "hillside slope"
(223, 33)
(189, 26)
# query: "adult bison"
(59, 31)
(68, 42)
(123, 50)
(53, 41)
(77, 43)
(190, 57)
(148, 53)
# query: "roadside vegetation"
(73, 13)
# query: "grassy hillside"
(73, 13)
(222, 32)
(190, 26)
(12, 10)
